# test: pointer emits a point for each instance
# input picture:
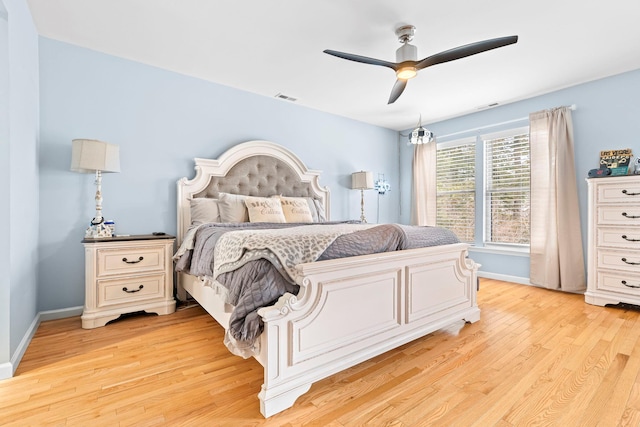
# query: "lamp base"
(362, 218)
(98, 231)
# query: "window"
(455, 185)
(507, 166)
(501, 175)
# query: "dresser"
(614, 241)
(127, 274)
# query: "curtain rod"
(573, 107)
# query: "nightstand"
(125, 274)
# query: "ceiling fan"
(407, 65)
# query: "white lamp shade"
(362, 180)
(90, 155)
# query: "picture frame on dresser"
(127, 274)
(613, 260)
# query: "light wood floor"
(536, 357)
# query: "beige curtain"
(557, 260)
(423, 211)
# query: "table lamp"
(362, 181)
(92, 156)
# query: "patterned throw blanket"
(290, 246)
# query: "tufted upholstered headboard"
(254, 168)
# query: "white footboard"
(352, 309)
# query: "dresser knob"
(630, 194)
(624, 236)
(629, 262)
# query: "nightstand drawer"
(123, 261)
(619, 282)
(130, 290)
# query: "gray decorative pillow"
(317, 210)
(232, 208)
(204, 210)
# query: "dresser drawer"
(619, 260)
(619, 282)
(132, 259)
(618, 237)
(130, 290)
(624, 192)
(619, 214)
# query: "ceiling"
(272, 47)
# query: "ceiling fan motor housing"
(406, 52)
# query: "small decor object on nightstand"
(126, 274)
(92, 156)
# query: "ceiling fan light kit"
(406, 73)
(407, 65)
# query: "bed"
(347, 310)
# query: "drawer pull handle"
(624, 236)
(132, 262)
(624, 214)
(133, 291)
(630, 194)
(630, 263)
(624, 282)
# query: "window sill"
(524, 251)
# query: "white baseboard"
(60, 314)
(505, 278)
(8, 369)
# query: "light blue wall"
(18, 180)
(607, 117)
(161, 121)
(5, 250)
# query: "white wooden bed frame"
(348, 310)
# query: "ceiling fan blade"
(397, 90)
(362, 59)
(466, 50)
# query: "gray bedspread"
(261, 280)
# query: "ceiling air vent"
(286, 97)
(484, 107)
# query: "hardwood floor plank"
(536, 357)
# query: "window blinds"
(507, 183)
(455, 188)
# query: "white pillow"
(204, 210)
(296, 209)
(264, 209)
(232, 208)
